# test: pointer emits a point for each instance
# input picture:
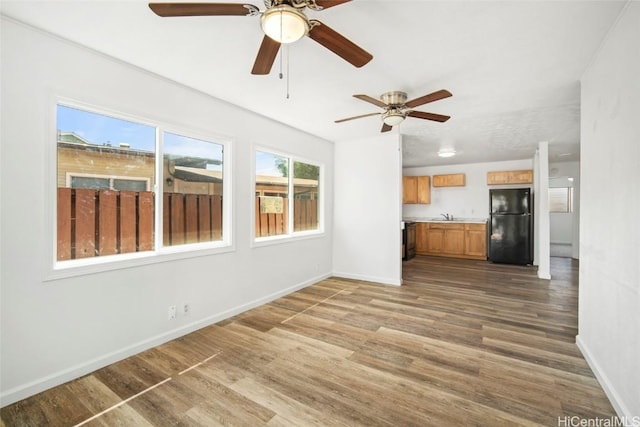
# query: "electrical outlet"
(172, 312)
(186, 308)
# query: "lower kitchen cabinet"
(475, 240)
(435, 240)
(446, 238)
(422, 229)
(456, 240)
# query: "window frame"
(291, 235)
(78, 267)
(568, 202)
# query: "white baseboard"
(26, 390)
(383, 280)
(621, 410)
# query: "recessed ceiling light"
(446, 152)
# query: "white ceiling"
(513, 66)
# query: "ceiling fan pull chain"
(280, 75)
(288, 72)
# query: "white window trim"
(78, 267)
(291, 235)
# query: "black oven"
(409, 240)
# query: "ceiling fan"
(283, 21)
(397, 108)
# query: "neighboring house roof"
(72, 137)
(197, 175)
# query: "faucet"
(447, 217)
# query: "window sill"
(86, 266)
(286, 238)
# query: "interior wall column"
(542, 221)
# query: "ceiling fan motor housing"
(394, 99)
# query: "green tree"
(300, 170)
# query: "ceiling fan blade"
(386, 128)
(339, 44)
(435, 96)
(357, 117)
(428, 116)
(201, 9)
(371, 100)
(266, 56)
(325, 4)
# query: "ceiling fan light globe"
(392, 118)
(284, 24)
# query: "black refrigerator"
(511, 226)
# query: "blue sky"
(101, 130)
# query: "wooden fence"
(191, 218)
(305, 213)
(107, 222)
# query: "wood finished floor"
(460, 343)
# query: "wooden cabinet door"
(454, 239)
(476, 240)
(450, 180)
(510, 177)
(409, 189)
(521, 177)
(497, 177)
(435, 239)
(424, 190)
(422, 237)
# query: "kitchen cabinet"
(442, 238)
(416, 189)
(452, 239)
(510, 177)
(475, 240)
(450, 180)
(435, 240)
(422, 230)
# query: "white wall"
(609, 303)
(367, 239)
(53, 331)
(470, 201)
(561, 227)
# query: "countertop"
(441, 219)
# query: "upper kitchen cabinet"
(510, 177)
(450, 180)
(416, 190)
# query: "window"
(561, 199)
(192, 190)
(107, 183)
(305, 198)
(109, 174)
(285, 203)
